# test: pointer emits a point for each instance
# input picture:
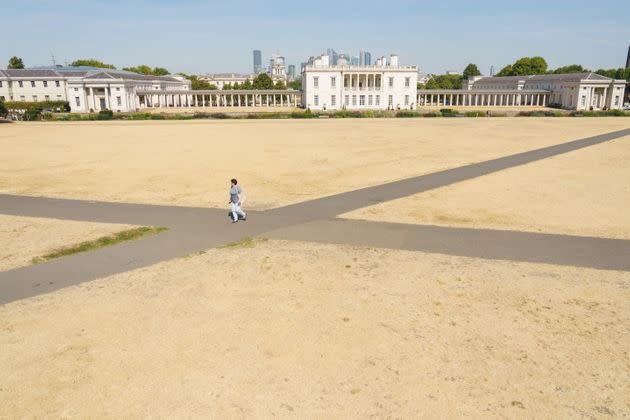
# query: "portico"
(494, 98)
(219, 98)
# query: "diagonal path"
(580, 251)
(193, 229)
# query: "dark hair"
(234, 181)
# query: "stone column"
(107, 103)
(544, 99)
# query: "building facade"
(86, 89)
(578, 91)
(277, 69)
(345, 86)
(220, 80)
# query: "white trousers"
(236, 211)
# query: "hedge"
(23, 105)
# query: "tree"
(505, 71)
(279, 85)
(572, 68)
(262, 82)
(445, 81)
(619, 73)
(471, 70)
(92, 62)
(196, 84)
(525, 66)
(15, 63)
(160, 71)
(247, 85)
(144, 69)
(3, 109)
(295, 84)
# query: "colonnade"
(218, 98)
(482, 98)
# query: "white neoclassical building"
(577, 91)
(385, 85)
(86, 88)
(220, 80)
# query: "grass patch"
(249, 242)
(125, 235)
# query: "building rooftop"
(81, 71)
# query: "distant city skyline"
(454, 33)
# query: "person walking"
(236, 200)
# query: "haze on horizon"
(196, 36)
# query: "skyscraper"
(365, 58)
(257, 61)
(333, 56)
(354, 60)
(291, 72)
(628, 59)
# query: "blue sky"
(197, 36)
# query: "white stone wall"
(323, 95)
(45, 89)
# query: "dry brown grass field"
(287, 329)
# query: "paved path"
(193, 229)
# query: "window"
(333, 100)
(617, 100)
(57, 83)
(354, 100)
(407, 81)
(32, 83)
(35, 98)
(377, 100)
(333, 82)
(77, 100)
(583, 100)
(0, 83)
(362, 100)
(406, 99)
(118, 89)
(390, 100)
(20, 84)
(370, 100)
(45, 83)
(118, 100)
(46, 98)
(22, 98)
(391, 82)
(76, 89)
(347, 100)
(58, 97)
(316, 82)
(316, 100)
